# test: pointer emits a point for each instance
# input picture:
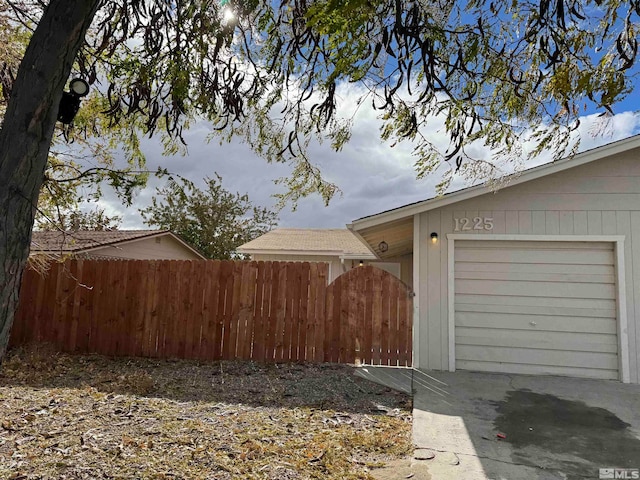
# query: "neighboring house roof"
(475, 191)
(63, 243)
(308, 241)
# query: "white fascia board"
(471, 192)
(358, 256)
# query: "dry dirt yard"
(93, 417)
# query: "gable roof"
(61, 243)
(582, 158)
(308, 241)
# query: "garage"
(537, 274)
(536, 308)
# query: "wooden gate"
(371, 312)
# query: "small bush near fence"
(212, 310)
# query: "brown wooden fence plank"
(321, 314)
(303, 317)
(394, 337)
(60, 306)
(227, 305)
(361, 295)
(173, 322)
(88, 296)
(257, 352)
(139, 273)
(150, 332)
(291, 310)
(281, 313)
(162, 308)
(271, 320)
(183, 305)
(384, 321)
(377, 317)
(92, 306)
(339, 294)
(224, 297)
(232, 339)
(194, 321)
(122, 326)
(74, 307)
(198, 286)
(405, 324)
(245, 314)
(105, 308)
(109, 309)
(212, 338)
(130, 324)
(310, 317)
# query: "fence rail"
(211, 310)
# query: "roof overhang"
(315, 253)
(120, 243)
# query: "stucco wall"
(599, 198)
(156, 248)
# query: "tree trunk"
(26, 135)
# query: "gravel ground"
(93, 417)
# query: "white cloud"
(372, 175)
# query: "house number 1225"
(476, 223)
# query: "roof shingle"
(338, 240)
(75, 242)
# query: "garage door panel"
(538, 340)
(602, 361)
(580, 257)
(552, 306)
(536, 369)
(536, 289)
(536, 277)
(547, 323)
(533, 268)
(535, 245)
(536, 307)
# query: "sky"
(373, 176)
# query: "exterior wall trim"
(621, 302)
(416, 291)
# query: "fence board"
(210, 336)
(303, 318)
(257, 351)
(265, 311)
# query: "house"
(112, 244)
(340, 248)
(540, 277)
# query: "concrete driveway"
(495, 426)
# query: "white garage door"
(536, 307)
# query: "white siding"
(536, 307)
(599, 198)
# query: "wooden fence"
(212, 310)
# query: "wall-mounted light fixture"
(361, 263)
(383, 246)
(70, 101)
(434, 237)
